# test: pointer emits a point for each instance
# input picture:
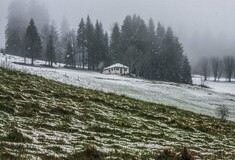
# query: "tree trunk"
(83, 59)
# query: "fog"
(204, 28)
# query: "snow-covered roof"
(117, 65)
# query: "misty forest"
(127, 92)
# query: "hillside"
(40, 118)
(187, 97)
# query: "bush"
(6, 65)
(186, 154)
(171, 154)
(167, 154)
(16, 136)
(222, 112)
(89, 153)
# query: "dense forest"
(151, 51)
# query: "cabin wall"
(119, 71)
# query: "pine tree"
(50, 51)
(90, 43)
(170, 57)
(16, 27)
(185, 71)
(159, 59)
(13, 43)
(99, 46)
(151, 50)
(115, 50)
(63, 31)
(107, 50)
(125, 38)
(134, 38)
(81, 40)
(47, 31)
(71, 37)
(32, 42)
(142, 46)
(70, 59)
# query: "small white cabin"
(117, 68)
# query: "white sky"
(186, 17)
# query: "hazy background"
(205, 27)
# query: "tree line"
(151, 52)
(218, 67)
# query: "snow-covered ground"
(187, 97)
(222, 86)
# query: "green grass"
(45, 119)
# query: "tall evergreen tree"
(90, 43)
(50, 51)
(126, 37)
(47, 31)
(170, 57)
(81, 40)
(107, 50)
(134, 38)
(16, 26)
(63, 31)
(185, 76)
(32, 42)
(115, 46)
(151, 51)
(71, 37)
(160, 34)
(142, 46)
(70, 58)
(99, 46)
(14, 42)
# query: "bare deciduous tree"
(215, 67)
(222, 112)
(228, 67)
(204, 63)
(220, 69)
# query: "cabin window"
(125, 70)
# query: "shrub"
(167, 154)
(171, 154)
(222, 112)
(16, 136)
(186, 154)
(89, 153)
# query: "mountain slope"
(40, 118)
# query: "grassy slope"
(47, 119)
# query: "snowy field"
(187, 97)
(219, 86)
